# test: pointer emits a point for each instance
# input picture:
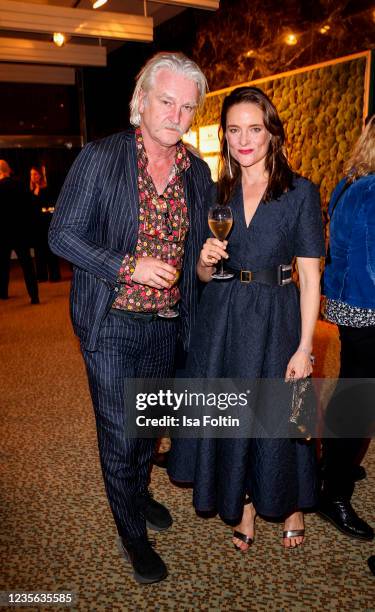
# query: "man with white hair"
(14, 233)
(129, 216)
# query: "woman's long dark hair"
(41, 170)
(276, 163)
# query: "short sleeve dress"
(251, 331)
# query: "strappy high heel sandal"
(293, 533)
(242, 536)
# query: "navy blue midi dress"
(251, 331)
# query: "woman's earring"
(229, 164)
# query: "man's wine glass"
(169, 312)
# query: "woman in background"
(47, 263)
(259, 327)
(349, 285)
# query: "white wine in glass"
(169, 312)
(220, 221)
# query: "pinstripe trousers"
(127, 348)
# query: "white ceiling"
(32, 43)
(159, 12)
(26, 33)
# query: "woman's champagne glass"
(220, 221)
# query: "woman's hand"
(299, 366)
(213, 250)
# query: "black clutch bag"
(302, 419)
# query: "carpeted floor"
(56, 528)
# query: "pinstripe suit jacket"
(96, 222)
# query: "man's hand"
(154, 272)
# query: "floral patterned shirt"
(163, 226)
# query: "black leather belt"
(140, 316)
(279, 275)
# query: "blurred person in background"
(47, 263)
(349, 286)
(14, 233)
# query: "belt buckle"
(246, 276)
(284, 268)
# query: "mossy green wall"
(322, 113)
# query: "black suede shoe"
(342, 515)
(359, 473)
(157, 516)
(147, 565)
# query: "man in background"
(14, 230)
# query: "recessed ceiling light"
(59, 39)
(98, 3)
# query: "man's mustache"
(174, 126)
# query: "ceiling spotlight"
(291, 39)
(324, 29)
(98, 3)
(59, 39)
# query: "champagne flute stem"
(221, 267)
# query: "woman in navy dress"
(258, 329)
(47, 263)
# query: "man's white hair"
(176, 62)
